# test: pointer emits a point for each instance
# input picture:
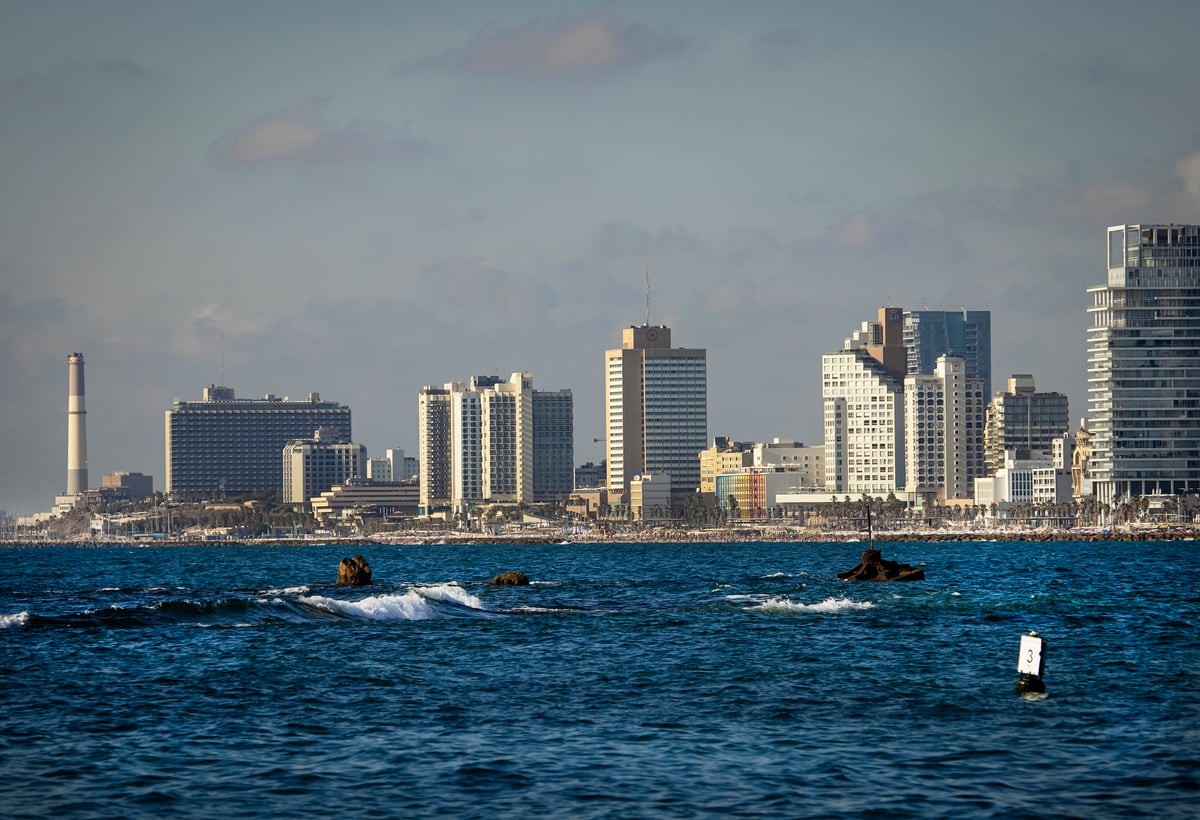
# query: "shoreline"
(713, 537)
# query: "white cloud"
(1188, 169)
(568, 46)
(301, 134)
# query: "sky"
(363, 198)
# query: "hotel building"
(311, 466)
(656, 408)
(230, 446)
(1144, 364)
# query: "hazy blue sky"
(366, 197)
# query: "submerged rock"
(354, 572)
(511, 579)
(873, 567)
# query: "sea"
(665, 680)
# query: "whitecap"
(418, 604)
(286, 591)
(16, 619)
(829, 606)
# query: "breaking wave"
(829, 606)
(16, 619)
(417, 604)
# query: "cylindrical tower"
(77, 477)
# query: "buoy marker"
(1031, 664)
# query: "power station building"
(223, 445)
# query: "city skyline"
(363, 199)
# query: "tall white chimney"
(77, 477)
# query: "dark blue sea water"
(648, 680)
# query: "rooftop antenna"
(222, 358)
(647, 298)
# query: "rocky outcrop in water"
(511, 579)
(354, 572)
(873, 567)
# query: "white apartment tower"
(943, 424)
(863, 392)
(483, 437)
(1144, 364)
(656, 408)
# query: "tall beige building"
(656, 408)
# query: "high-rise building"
(929, 334)
(311, 466)
(495, 441)
(1144, 364)
(226, 445)
(553, 444)
(656, 408)
(1023, 420)
(433, 448)
(863, 393)
(943, 426)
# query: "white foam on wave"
(16, 619)
(286, 591)
(417, 604)
(830, 606)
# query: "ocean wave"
(417, 604)
(15, 619)
(286, 591)
(829, 606)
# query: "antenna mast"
(647, 298)
(222, 358)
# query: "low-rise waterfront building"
(367, 498)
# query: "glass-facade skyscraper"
(930, 334)
(1144, 364)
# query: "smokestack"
(77, 477)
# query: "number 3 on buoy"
(1030, 661)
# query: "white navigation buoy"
(1031, 664)
(1031, 661)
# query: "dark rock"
(511, 579)
(354, 572)
(874, 568)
